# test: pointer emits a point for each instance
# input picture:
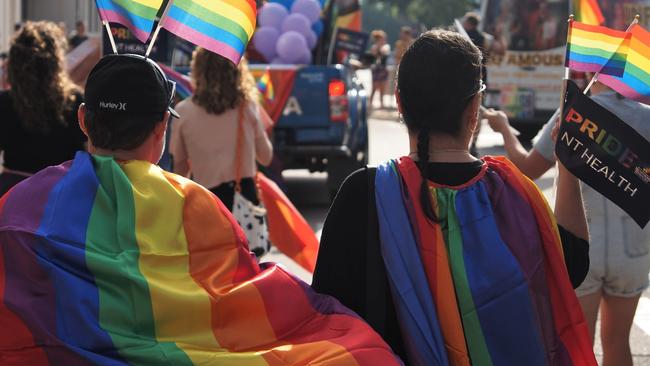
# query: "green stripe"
(640, 74)
(589, 51)
(215, 19)
(138, 9)
(478, 350)
(112, 254)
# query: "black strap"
(375, 306)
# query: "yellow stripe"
(154, 4)
(181, 308)
(640, 47)
(230, 12)
(594, 37)
(591, 43)
(640, 61)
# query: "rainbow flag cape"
(137, 15)
(107, 263)
(487, 283)
(588, 12)
(593, 48)
(634, 82)
(222, 26)
(288, 229)
(183, 84)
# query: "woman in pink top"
(204, 140)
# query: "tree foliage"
(430, 13)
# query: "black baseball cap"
(129, 84)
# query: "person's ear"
(470, 116)
(398, 100)
(161, 127)
(81, 117)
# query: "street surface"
(389, 139)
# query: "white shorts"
(619, 251)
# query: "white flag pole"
(110, 36)
(155, 33)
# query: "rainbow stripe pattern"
(183, 84)
(222, 26)
(593, 48)
(487, 283)
(634, 83)
(93, 273)
(137, 15)
(265, 86)
(588, 12)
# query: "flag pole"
(110, 36)
(595, 77)
(158, 26)
(567, 73)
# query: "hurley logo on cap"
(115, 106)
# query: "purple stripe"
(32, 297)
(513, 216)
(623, 89)
(584, 66)
(201, 39)
(114, 17)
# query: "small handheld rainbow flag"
(265, 86)
(222, 26)
(137, 15)
(593, 48)
(588, 12)
(634, 82)
(183, 84)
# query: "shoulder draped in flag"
(588, 12)
(137, 15)
(125, 264)
(222, 26)
(593, 48)
(634, 83)
(486, 278)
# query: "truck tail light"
(338, 101)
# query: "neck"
(444, 149)
(122, 155)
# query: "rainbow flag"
(222, 26)
(137, 15)
(634, 83)
(265, 86)
(588, 12)
(593, 48)
(486, 284)
(183, 84)
(125, 264)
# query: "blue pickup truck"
(324, 122)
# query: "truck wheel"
(339, 168)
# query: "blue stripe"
(409, 286)
(596, 60)
(640, 86)
(144, 24)
(62, 253)
(499, 288)
(206, 28)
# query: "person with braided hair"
(39, 125)
(456, 260)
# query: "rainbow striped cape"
(487, 283)
(106, 263)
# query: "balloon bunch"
(289, 31)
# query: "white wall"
(67, 11)
(10, 14)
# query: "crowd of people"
(447, 258)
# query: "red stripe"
(598, 29)
(17, 347)
(641, 35)
(593, 4)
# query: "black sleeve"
(576, 256)
(340, 268)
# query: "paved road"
(389, 139)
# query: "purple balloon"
(291, 46)
(278, 61)
(311, 39)
(272, 15)
(297, 23)
(309, 8)
(305, 57)
(264, 40)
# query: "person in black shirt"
(80, 35)
(39, 125)
(439, 92)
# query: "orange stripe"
(598, 29)
(249, 10)
(641, 35)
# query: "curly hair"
(219, 85)
(41, 91)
